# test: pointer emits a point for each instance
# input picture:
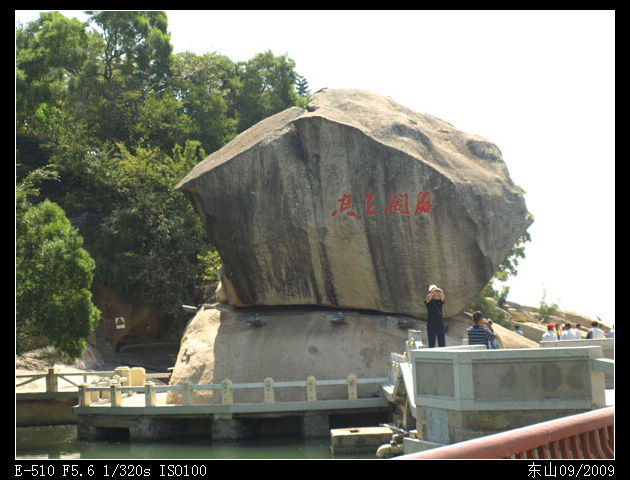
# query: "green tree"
(133, 61)
(50, 52)
(487, 306)
(301, 86)
(147, 243)
(509, 266)
(546, 310)
(205, 84)
(267, 86)
(136, 46)
(304, 94)
(53, 279)
(121, 119)
(506, 269)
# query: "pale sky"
(538, 84)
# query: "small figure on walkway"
(435, 323)
(518, 331)
(493, 345)
(595, 332)
(550, 334)
(478, 334)
(568, 333)
(578, 331)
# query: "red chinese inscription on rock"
(396, 203)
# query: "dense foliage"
(120, 119)
(489, 298)
(53, 277)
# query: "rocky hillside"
(527, 317)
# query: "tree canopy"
(119, 119)
(53, 278)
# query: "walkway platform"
(144, 413)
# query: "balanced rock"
(356, 202)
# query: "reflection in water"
(61, 441)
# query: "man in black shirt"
(435, 324)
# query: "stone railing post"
(352, 387)
(311, 390)
(137, 377)
(227, 397)
(52, 383)
(187, 393)
(94, 396)
(123, 375)
(268, 389)
(115, 394)
(84, 396)
(149, 396)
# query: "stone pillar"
(105, 382)
(352, 387)
(94, 396)
(137, 377)
(231, 429)
(148, 428)
(316, 425)
(149, 396)
(123, 372)
(84, 396)
(311, 391)
(227, 397)
(52, 384)
(115, 394)
(268, 387)
(187, 393)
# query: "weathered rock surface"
(140, 323)
(356, 202)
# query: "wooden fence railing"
(52, 378)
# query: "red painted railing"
(586, 435)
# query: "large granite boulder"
(356, 202)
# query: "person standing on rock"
(435, 323)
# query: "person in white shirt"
(611, 334)
(549, 335)
(568, 333)
(595, 332)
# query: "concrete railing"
(124, 375)
(585, 435)
(93, 395)
(507, 379)
(461, 393)
(608, 352)
(607, 344)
